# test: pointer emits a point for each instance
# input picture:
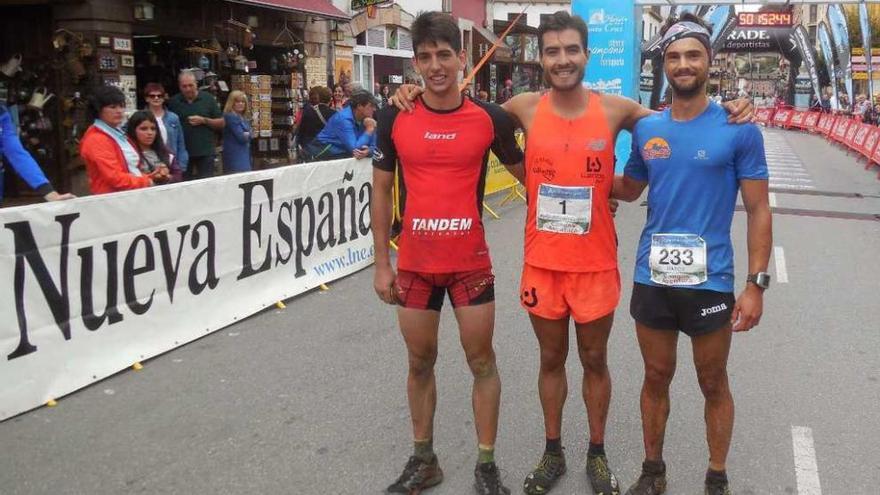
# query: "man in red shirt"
(440, 151)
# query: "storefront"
(524, 70)
(268, 49)
(488, 77)
(66, 49)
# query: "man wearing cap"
(693, 162)
(350, 132)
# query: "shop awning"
(317, 8)
(502, 53)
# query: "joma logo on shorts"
(714, 309)
(439, 137)
(442, 224)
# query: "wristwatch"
(761, 279)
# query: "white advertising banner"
(90, 286)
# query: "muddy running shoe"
(652, 481)
(417, 476)
(487, 480)
(601, 478)
(546, 474)
(714, 487)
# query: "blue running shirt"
(693, 170)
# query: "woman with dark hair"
(384, 95)
(315, 116)
(169, 123)
(339, 99)
(111, 159)
(156, 159)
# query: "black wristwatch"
(761, 279)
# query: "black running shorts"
(692, 311)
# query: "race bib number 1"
(678, 259)
(564, 210)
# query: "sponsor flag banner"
(865, 24)
(808, 56)
(614, 60)
(90, 286)
(828, 54)
(840, 33)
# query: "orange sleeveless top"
(569, 175)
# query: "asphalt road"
(311, 399)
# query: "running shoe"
(417, 475)
(546, 474)
(488, 481)
(717, 488)
(601, 478)
(651, 482)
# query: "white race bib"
(564, 210)
(678, 259)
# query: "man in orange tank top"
(570, 267)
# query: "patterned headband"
(686, 29)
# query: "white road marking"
(773, 200)
(787, 173)
(805, 466)
(781, 270)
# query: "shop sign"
(759, 40)
(395, 79)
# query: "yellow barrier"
(498, 179)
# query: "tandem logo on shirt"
(442, 224)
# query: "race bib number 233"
(678, 259)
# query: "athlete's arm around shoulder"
(623, 113)
(522, 108)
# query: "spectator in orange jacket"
(111, 158)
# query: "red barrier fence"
(850, 132)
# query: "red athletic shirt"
(441, 158)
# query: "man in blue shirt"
(350, 132)
(14, 153)
(693, 163)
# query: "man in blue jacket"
(350, 132)
(14, 153)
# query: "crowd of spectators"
(174, 139)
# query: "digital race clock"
(765, 19)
